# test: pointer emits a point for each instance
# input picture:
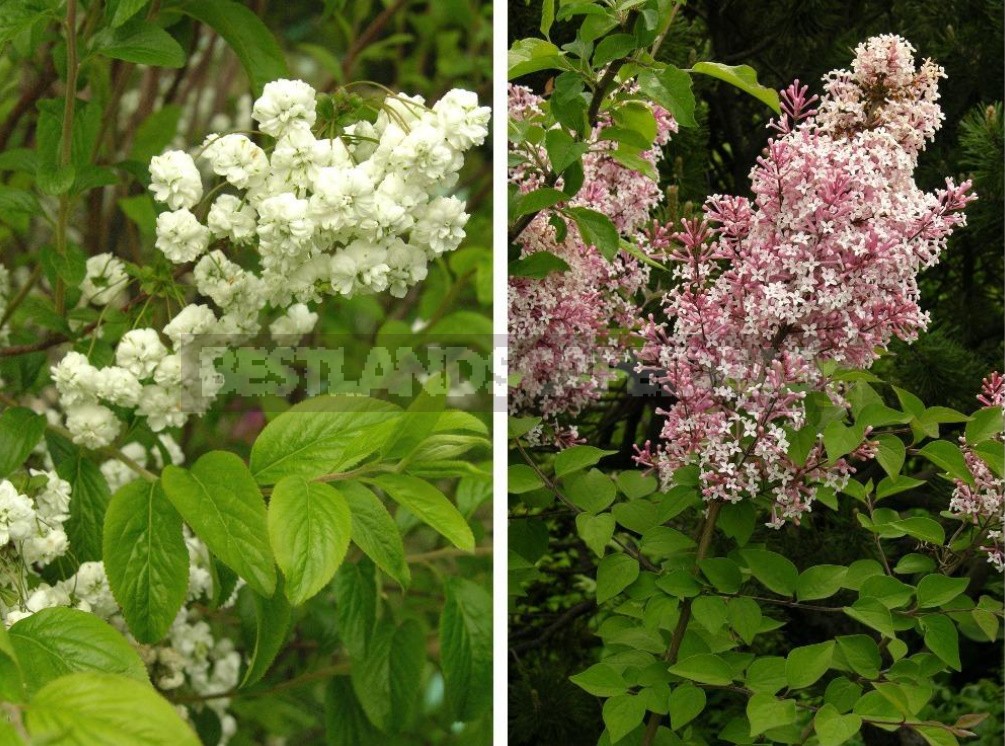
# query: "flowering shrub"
(159, 558)
(565, 325)
(769, 425)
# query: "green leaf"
(615, 572)
(861, 653)
(547, 16)
(774, 571)
(356, 605)
(842, 693)
(375, 532)
(466, 648)
(686, 703)
(805, 665)
(840, 440)
(122, 10)
(891, 453)
(539, 199)
(765, 712)
(671, 89)
(155, 133)
(921, 528)
(530, 56)
(595, 531)
(993, 455)
(833, 728)
(11, 680)
(820, 581)
(323, 435)
(705, 668)
(894, 485)
(592, 490)
(872, 613)
(745, 617)
(743, 77)
(601, 680)
(387, 681)
(20, 431)
(948, 457)
(17, 201)
(245, 33)
(538, 265)
(623, 714)
(83, 709)
(521, 478)
(90, 496)
(141, 211)
(984, 425)
(709, 612)
(738, 520)
(664, 541)
(145, 558)
(596, 230)
(613, 47)
(346, 723)
(913, 563)
(634, 484)
(766, 675)
(577, 458)
(942, 638)
(568, 103)
(57, 641)
(71, 266)
(145, 44)
(271, 618)
(430, 505)
(563, 149)
(723, 573)
(219, 499)
(935, 590)
(309, 528)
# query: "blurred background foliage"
(421, 47)
(552, 616)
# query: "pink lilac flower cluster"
(821, 265)
(983, 502)
(569, 329)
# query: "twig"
(369, 34)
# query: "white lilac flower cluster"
(364, 212)
(31, 526)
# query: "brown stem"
(369, 34)
(27, 100)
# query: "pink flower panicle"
(569, 329)
(820, 265)
(983, 502)
(795, 106)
